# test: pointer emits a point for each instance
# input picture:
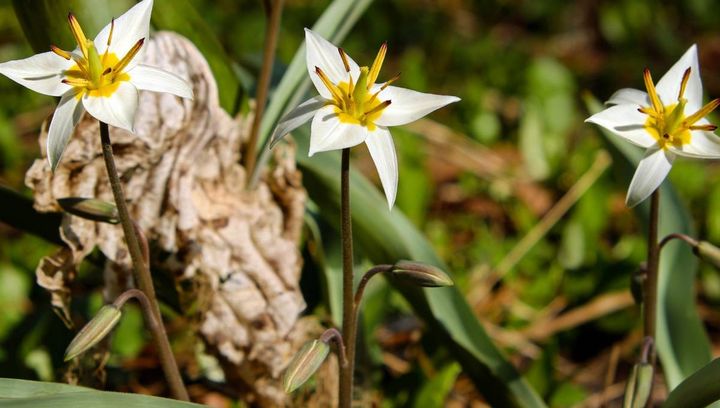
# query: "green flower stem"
(348, 331)
(141, 272)
(651, 282)
(273, 11)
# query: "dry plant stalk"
(232, 254)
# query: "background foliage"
(477, 186)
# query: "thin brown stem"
(346, 371)
(677, 235)
(363, 282)
(141, 272)
(274, 13)
(651, 281)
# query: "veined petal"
(629, 96)
(147, 78)
(626, 122)
(329, 133)
(408, 105)
(42, 73)
(323, 54)
(669, 85)
(296, 118)
(117, 109)
(66, 116)
(129, 29)
(650, 173)
(382, 151)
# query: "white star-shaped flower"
(352, 108)
(101, 77)
(668, 120)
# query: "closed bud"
(421, 274)
(90, 208)
(639, 386)
(708, 252)
(94, 331)
(304, 364)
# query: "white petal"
(296, 118)
(329, 133)
(42, 73)
(407, 105)
(651, 171)
(668, 86)
(117, 109)
(382, 151)
(703, 144)
(629, 96)
(626, 122)
(147, 78)
(129, 29)
(66, 116)
(324, 55)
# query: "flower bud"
(94, 331)
(639, 386)
(421, 274)
(708, 252)
(90, 208)
(304, 364)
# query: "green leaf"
(698, 390)
(387, 236)
(681, 342)
(334, 24)
(434, 392)
(182, 17)
(35, 394)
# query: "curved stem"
(363, 282)
(273, 10)
(346, 371)
(141, 272)
(332, 334)
(676, 235)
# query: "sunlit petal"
(629, 96)
(66, 116)
(129, 29)
(626, 122)
(408, 105)
(650, 173)
(329, 133)
(42, 73)
(669, 85)
(382, 151)
(147, 78)
(324, 55)
(116, 110)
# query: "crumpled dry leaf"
(232, 253)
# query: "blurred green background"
(481, 176)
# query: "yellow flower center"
(352, 100)
(94, 74)
(669, 125)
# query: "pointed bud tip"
(94, 331)
(708, 252)
(305, 363)
(421, 274)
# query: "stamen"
(109, 40)
(708, 127)
(390, 81)
(378, 108)
(650, 86)
(78, 34)
(648, 112)
(61, 52)
(344, 58)
(107, 71)
(377, 64)
(704, 111)
(128, 57)
(683, 84)
(334, 90)
(80, 82)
